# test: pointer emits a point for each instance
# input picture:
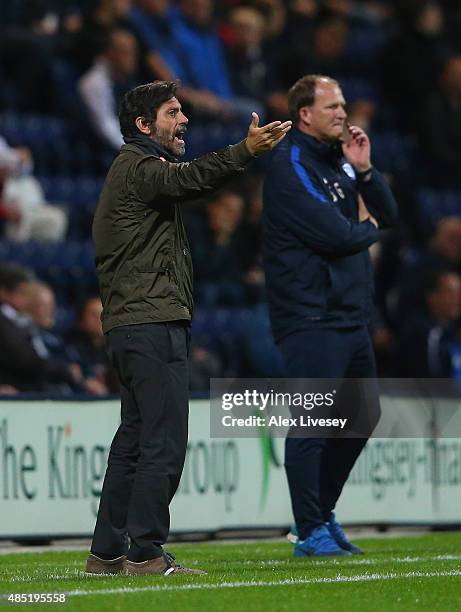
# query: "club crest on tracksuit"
(349, 170)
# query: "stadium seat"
(434, 205)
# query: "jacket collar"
(146, 146)
(331, 153)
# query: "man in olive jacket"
(145, 278)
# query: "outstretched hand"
(265, 138)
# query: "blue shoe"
(319, 544)
(340, 538)
(292, 535)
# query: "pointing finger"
(284, 127)
(270, 126)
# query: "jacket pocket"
(150, 285)
(348, 286)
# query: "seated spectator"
(440, 128)
(412, 60)
(113, 73)
(430, 345)
(203, 65)
(8, 390)
(89, 38)
(203, 365)
(21, 366)
(444, 251)
(41, 308)
(371, 11)
(23, 207)
(153, 21)
(27, 49)
(217, 253)
(275, 13)
(301, 19)
(361, 113)
(250, 63)
(325, 53)
(86, 347)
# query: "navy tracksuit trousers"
(317, 468)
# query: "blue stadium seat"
(355, 88)
(392, 151)
(79, 190)
(27, 129)
(434, 205)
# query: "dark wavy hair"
(144, 101)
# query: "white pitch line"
(366, 560)
(77, 572)
(262, 583)
(342, 561)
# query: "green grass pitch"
(413, 573)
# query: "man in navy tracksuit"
(323, 206)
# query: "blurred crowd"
(64, 65)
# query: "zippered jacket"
(142, 253)
(317, 266)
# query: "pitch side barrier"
(53, 454)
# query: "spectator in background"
(326, 54)
(27, 49)
(250, 62)
(21, 366)
(109, 15)
(203, 365)
(301, 20)
(440, 128)
(203, 65)
(88, 42)
(361, 113)
(85, 346)
(371, 11)
(217, 252)
(412, 60)
(430, 344)
(23, 207)
(153, 20)
(41, 308)
(443, 251)
(113, 73)
(275, 14)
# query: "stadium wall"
(53, 456)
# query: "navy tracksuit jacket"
(319, 288)
(318, 272)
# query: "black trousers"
(317, 468)
(148, 451)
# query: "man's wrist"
(364, 175)
(248, 147)
(241, 153)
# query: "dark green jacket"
(143, 260)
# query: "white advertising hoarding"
(53, 456)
